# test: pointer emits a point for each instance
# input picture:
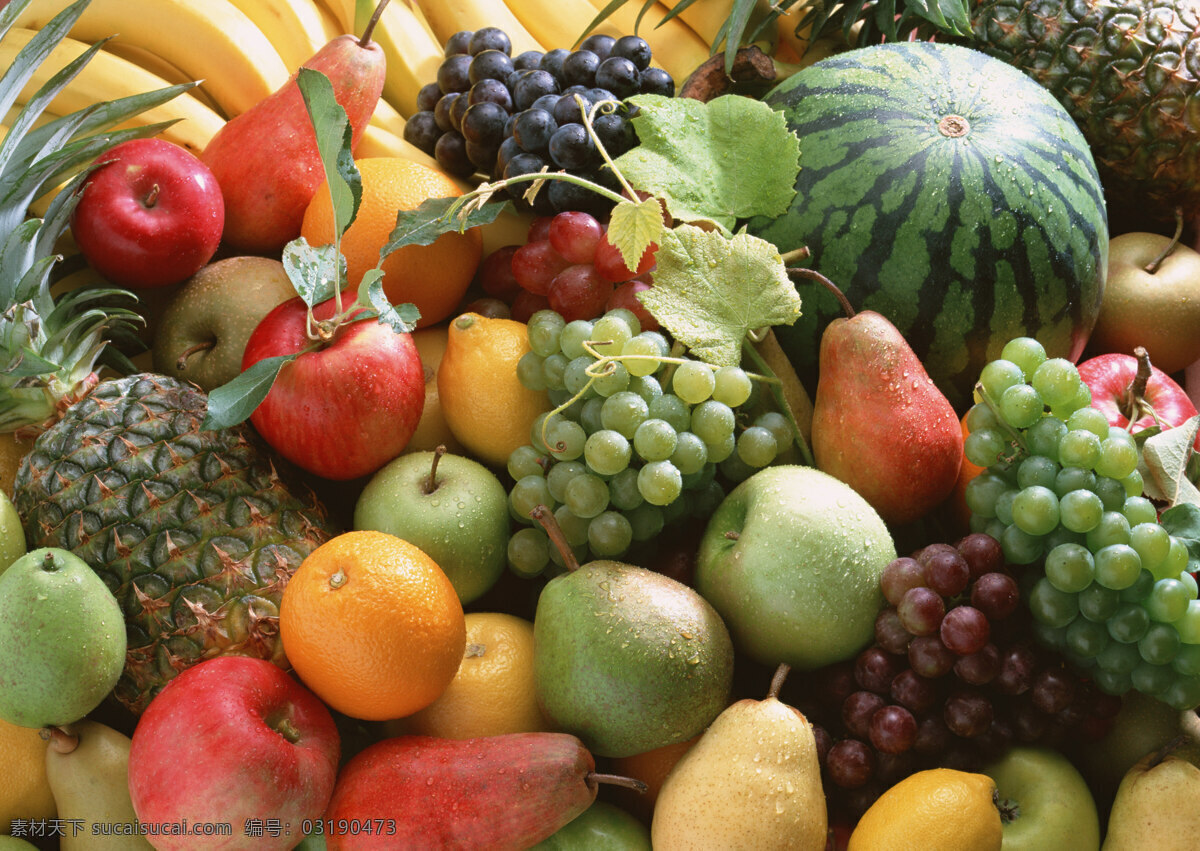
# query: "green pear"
(625, 658)
(87, 767)
(752, 781)
(62, 639)
(601, 827)
(1157, 806)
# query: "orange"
(493, 692)
(487, 408)
(372, 626)
(433, 277)
(24, 791)
(939, 809)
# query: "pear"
(880, 424)
(752, 781)
(1157, 805)
(62, 639)
(87, 767)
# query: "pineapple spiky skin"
(1127, 71)
(195, 532)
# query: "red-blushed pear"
(1152, 299)
(232, 740)
(880, 424)
(266, 159)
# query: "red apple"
(150, 215)
(1113, 380)
(235, 741)
(346, 408)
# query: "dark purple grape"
(933, 736)
(427, 97)
(823, 742)
(634, 48)
(531, 87)
(967, 713)
(857, 711)
(914, 692)
(615, 133)
(459, 43)
(457, 110)
(482, 156)
(874, 670)
(899, 576)
(656, 81)
(930, 550)
(565, 196)
(489, 38)
(620, 76)
(1029, 723)
(507, 150)
(489, 65)
(929, 657)
(571, 147)
(1018, 665)
(451, 154)
(982, 552)
(850, 764)
(599, 44)
(528, 60)
(893, 729)
(522, 163)
(422, 130)
(552, 62)
(579, 69)
(453, 74)
(490, 91)
(533, 129)
(997, 739)
(947, 572)
(1053, 690)
(979, 668)
(965, 630)
(836, 682)
(921, 611)
(567, 110)
(483, 124)
(996, 595)
(890, 633)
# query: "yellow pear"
(1157, 805)
(752, 781)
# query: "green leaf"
(401, 318)
(729, 159)
(333, 134)
(311, 270)
(235, 401)
(632, 227)
(951, 16)
(1164, 464)
(432, 219)
(710, 290)
(1183, 522)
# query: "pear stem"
(593, 777)
(62, 740)
(1167, 749)
(554, 532)
(431, 483)
(781, 674)
(1153, 265)
(814, 275)
(365, 39)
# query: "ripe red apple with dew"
(232, 741)
(150, 214)
(1134, 394)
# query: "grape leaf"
(1182, 521)
(1164, 464)
(729, 159)
(710, 290)
(309, 269)
(333, 134)
(632, 227)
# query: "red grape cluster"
(953, 679)
(568, 265)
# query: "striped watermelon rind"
(964, 236)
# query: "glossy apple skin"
(1109, 377)
(233, 738)
(150, 215)
(1057, 809)
(346, 409)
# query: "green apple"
(12, 536)
(1044, 802)
(202, 333)
(791, 560)
(452, 507)
(1157, 307)
(601, 827)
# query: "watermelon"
(948, 191)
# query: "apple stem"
(152, 197)
(593, 777)
(814, 275)
(431, 483)
(181, 363)
(554, 532)
(1010, 810)
(781, 674)
(1133, 403)
(61, 739)
(1153, 265)
(365, 40)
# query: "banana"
(450, 16)
(413, 56)
(156, 64)
(420, 16)
(676, 48)
(378, 142)
(385, 117)
(209, 40)
(295, 28)
(108, 77)
(706, 17)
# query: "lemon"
(939, 809)
(487, 408)
(24, 792)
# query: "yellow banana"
(343, 11)
(387, 118)
(413, 56)
(378, 142)
(450, 16)
(295, 28)
(420, 16)
(208, 40)
(330, 21)
(108, 77)
(675, 47)
(706, 17)
(156, 64)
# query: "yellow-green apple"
(452, 507)
(1044, 801)
(150, 215)
(12, 536)
(233, 740)
(1150, 300)
(202, 334)
(1125, 387)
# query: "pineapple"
(195, 532)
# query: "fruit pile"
(527, 423)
